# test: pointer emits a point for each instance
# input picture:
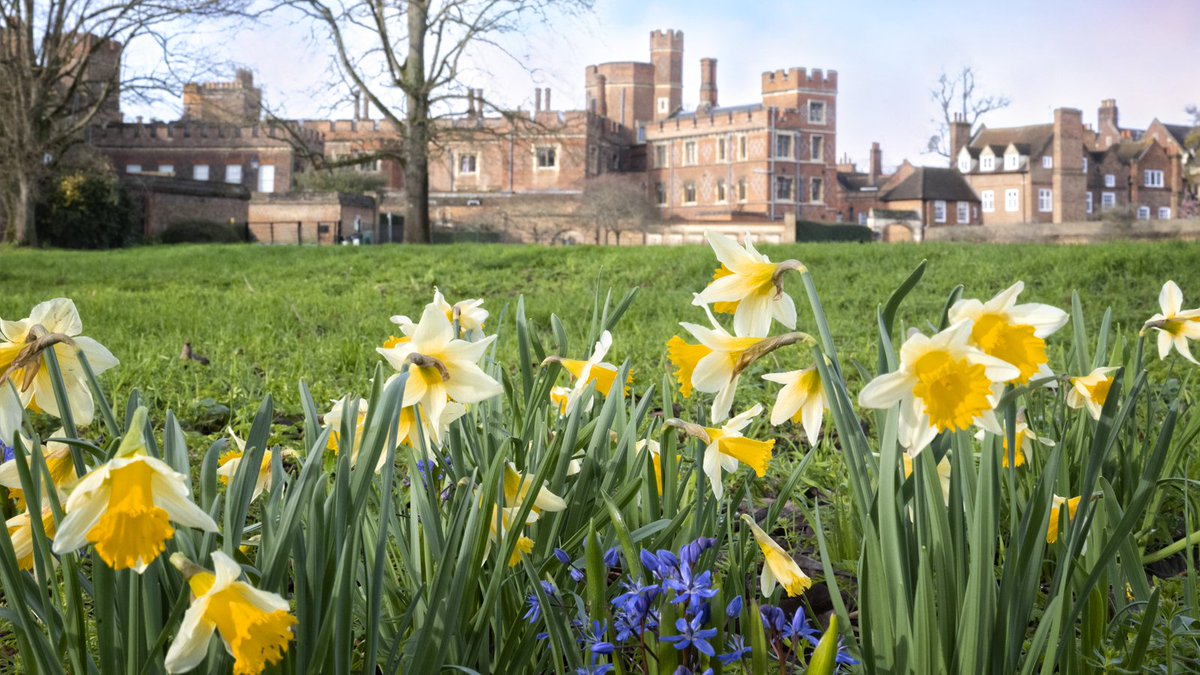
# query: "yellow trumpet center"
(1018, 454)
(685, 357)
(954, 390)
(1012, 343)
(723, 307)
(1072, 505)
(1098, 392)
(133, 529)
(602, 374)
(256, 638)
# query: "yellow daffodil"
(228, 463)
(123, 506)
(592, 370)
(751, 283)
(58, 462)
(652, 446)
(1057, 504)
(943, 472)
(685, 357)
(471, 316)
(1174, 324)
(1091, 391)
(1013, 333)
(560, 397)
(255, 625)
(53, 324)
(1024, 438)
(778, 566)
(499, 525)
(333, 420)
(431, 433)
(726, 447)
(20, 531)
(717, 372)
(516, 489)
(440, 366)
(801, 400)
(942, 384)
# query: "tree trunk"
(417, 228)
(22, 212)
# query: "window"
(664, 105)
(547, 157)
(816, 112)
(1012, 162)
(166, 169)
(741, 190)
(660, 194)
(467, 163)
(233, 173)
(817, 190)
(689, 153)
(987, 163)
(989, 201)
(266, 178)
(200, 172)
(742, 148)
(1154, 179)
(1143, 213)
(964, 164)
(964, 213)
(721, 154)
(939, 211)
(1090, 208)
(1164, 213)
(1108, 200)
(722, 197)
(1012, 200)
(1110, 180)
(1048, 162)
(817, 149)
(689, 192)
(1045, 201)
(862, 218)
(133, 168)
(783, 188)
(661, 155)
(783, 146)
(1085, 165)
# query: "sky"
(1042, 54)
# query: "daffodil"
(431, 433)
(802, 400)
(1091, 391)
(943, 472)
(1013, 333)
(228, 463)
(653, 447)
(53, 324)
(333, 420)
(20, 531)
(516, 490)
(470, 314)
(59, 464)
(717, 372)
(255, 625)
(1056, 506)
(501, 522)
(778, 566)
(942, 383)
(726, 447)
(560, 397)
(123, 507)
(752, 282)
(1023, 437)
(685, 357)
(592, 370)
(1174, 324)
(440, 366)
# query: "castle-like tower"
(666, 55)
(237, 102)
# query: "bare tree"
(958, 95)
(617, 203)
(418, 51)
(1193, 111)
(60, 73)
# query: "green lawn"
(269, 317)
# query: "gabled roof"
(1036, 138)
(928, 183)
(1131, 150)
(1179, 132)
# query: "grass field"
(269, 317)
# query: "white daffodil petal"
(191, 642)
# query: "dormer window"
(964, 163)
(1047, 162)
(1012, 162)
(987, 163)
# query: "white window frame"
(1012, 200)
(474, 163)
(167, 169)
(1154, 178)
(233, 174)
(987, 162)
(722, 192)
(743, 147)
(689, 153)
(817, 105)
(664, 105)
(782, 139)
(1143, 213)
(722, 150)
(964, 164)
(1085, 164)
(1012, 162)
(743, 191)
(816, 190)
(537, 158)
(1047, 162)
(1108, 200)
(963, 215)
(781, 181)
(266, 178)
(133, 169)
(689, 200)
(1045, 200)
(1110, 180)
(1090, 203)
(939, 211)
(1164, 213)
(662, 155)
(816, 148)
(862, 217)
(660, 194)
(200, 172)
(988, 199)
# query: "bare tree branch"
(956, 95)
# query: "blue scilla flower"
(690, 553)
(843, 657)
(734, 608)
(562, 556)
(576, 574)
(535, 605)
(799, 629)
(612, 557)
(694, 589)
(8, 452)
(692, 635)
(737, 650)
(649, 562)
(595, 668)
(594, 639)
(773, 618)
(684, 670)
(668, 564)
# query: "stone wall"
(1069, 233)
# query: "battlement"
(670, 40)
(193, 134)
(796, 78)
(351, 127)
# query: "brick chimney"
(1108, 123)
(1067, 179)
(546, 102)
(479, 102)
(960, 136)
(537, 99)
(875, 169)
(470, 102)
(708, 83)
(366, 106)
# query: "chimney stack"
(479, 102)
(537, 99)
(960, 136)
(357, 98)
(471, 102)
(708, 83)
(546, 101)
(876, 165)
(366, 106)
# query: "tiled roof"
(1036, 138)
(1180, 132)
(928, 183)
(857, 182)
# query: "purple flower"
(576, 575)
(690, 553)
(773, 618)
(9, 452)
(694, 589)
(737, 650)
(535, 606)
(649, 561)
(692, 635)
(734, 607)
(799, 629)
(562, 556)
(612, 557)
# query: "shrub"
(87, 209)
(202, 232)
(810, 231)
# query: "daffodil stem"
(1172, 548)
(768, 345)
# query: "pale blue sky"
(1042, 53)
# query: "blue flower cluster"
(794, 633)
